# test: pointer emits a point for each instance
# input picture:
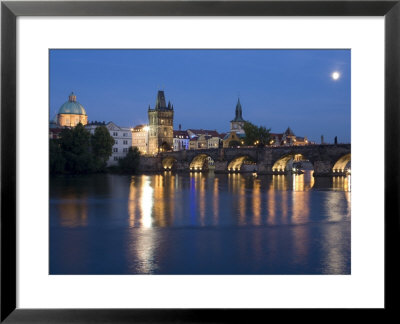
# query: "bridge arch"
(201, 162)
(169, 163)
(282, 163)
(324, 159)
(237, 163)
(341, 166)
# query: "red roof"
(141, 126)
(213, 133)
(276, 135)
(181, 133)
(55, 130)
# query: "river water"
(200, 224)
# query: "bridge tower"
(161, 121)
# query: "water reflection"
(302, 182)
(252, 201)
(146, 203)
(205, 199)
(336, 254)
(140, 202)
(301, 245)
(342, 183)
(132, 203)
(271, 206)
(201, 223)
(215, 201)
(256, 203)
(74, 210)
(141, 251)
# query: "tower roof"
(289, 132)
(160, 102)
(72, 106)
(238, 112)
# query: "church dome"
(72, 106)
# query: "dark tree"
(102, 143)
(75, 147)
(130, 163)
(57, 160)
(256, 135)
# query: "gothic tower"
(161, 120)
(238, 123)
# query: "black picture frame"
(10, 10)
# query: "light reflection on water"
(200, 223)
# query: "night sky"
(277, 88)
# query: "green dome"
(72, 107)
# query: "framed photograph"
(184, 160)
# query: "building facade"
(181, 140)
(161, 120)
(122, 140)
(71, 113)
(140, 138)
(203, 139)
(214, 142)
(288, 138)
(233, 138)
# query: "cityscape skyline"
(306, 90)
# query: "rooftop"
(72, 106)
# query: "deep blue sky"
(277, 88)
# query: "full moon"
(335, 75)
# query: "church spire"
(238, 112)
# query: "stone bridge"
(327, 159)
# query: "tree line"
(77, 151)
(254, 136)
